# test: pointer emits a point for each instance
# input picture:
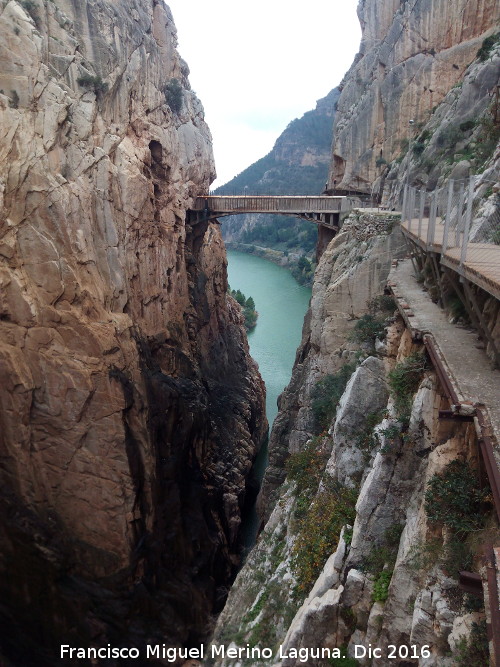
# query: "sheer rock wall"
(388, 466)
(411, 55)
(130, 409)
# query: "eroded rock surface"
(411, 56)
(130, 409)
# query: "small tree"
(174, 95)
(94, 82)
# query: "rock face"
(390, 576)
(351, 272)
(130, 409)
(411, 56)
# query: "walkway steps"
(468, 366)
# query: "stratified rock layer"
(412, 53)
(130, 409)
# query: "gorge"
(131, 411)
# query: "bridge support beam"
(325, 235)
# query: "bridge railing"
(452, 218)
(269, 204)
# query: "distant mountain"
(298, 164)
(299, 161)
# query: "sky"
(258, 65)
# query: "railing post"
(468, 221)
(432, 220)
(461, 199)
(409, 203)
(447, 221)
(411, 206)
(405, 197)
(421, 212)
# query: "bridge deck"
(226, 205)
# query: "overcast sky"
(258, 65)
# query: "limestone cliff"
(130, 409)
(352, 271)
(412, 54)
(351, 554)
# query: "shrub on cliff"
(381, 560)
(403, 383)
(93, 82)
(474, 651)
(367, 328)
(319, 531)
(455, 499)
(305, 468)
(487, 46)
(174, 95)
(326, 396)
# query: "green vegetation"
(326, 396)
(424, 136)
(403, 383)
(303, 272)
(174, 95)
(248, 307)
(264, 631)
(282, 233)
(488, 138)
(453, 556)
(448, 137)
(367, 439)
(383, 303)
(319, 518)
(381, 586)
(455, 499)
(318, 533)
(457, 308)
(305, 468)
(252, 614)
(14, 99)
(474, 651)
(381, 560)
(371, 325)
(418, 147)
(344, 662)
(29, 6)
(467, 125)
(92, 82)
(487, 46)
(391, 435)
(367, 328)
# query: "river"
(281, 303)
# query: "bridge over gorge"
(325, 211)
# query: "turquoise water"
(281, 303)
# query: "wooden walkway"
(481, 263)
